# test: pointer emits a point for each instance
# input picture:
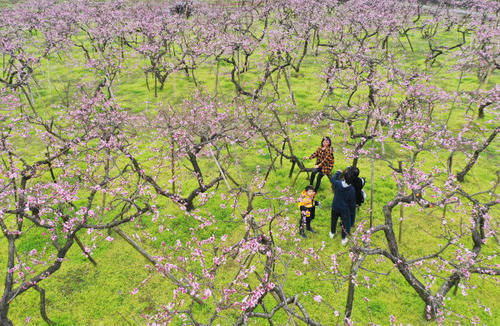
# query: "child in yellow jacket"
(307, 206)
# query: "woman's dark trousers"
(318, 181)
(345, 222)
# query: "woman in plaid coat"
(324, 161)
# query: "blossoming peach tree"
(87, 164)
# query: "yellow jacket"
(306, 200)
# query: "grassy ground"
(80, 294)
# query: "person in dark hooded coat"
(343, 204)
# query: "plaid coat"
(324, 157)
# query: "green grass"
(80, 294)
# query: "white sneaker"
(332, 235)
(344, 241)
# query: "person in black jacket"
(358, 184)
(343, 205)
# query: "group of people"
(348, 193)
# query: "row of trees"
(85, 162)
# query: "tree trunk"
(156, 85)
(291, 169)
(173, 162)
(43, 311)
(475, 157)
(4, 321)
(401, 209)
(217, 78)
(352, 284)
(288, 77)
(483, 85)
(9, 281)
(372, 186)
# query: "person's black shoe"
(310, 229)
(303, 234)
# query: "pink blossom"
(207, 293)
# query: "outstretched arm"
(313, 155)
(335, 176)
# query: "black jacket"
(358, 186)
(344, 199)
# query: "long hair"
(326, 138)
(349, 175)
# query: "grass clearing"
(82, 294)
